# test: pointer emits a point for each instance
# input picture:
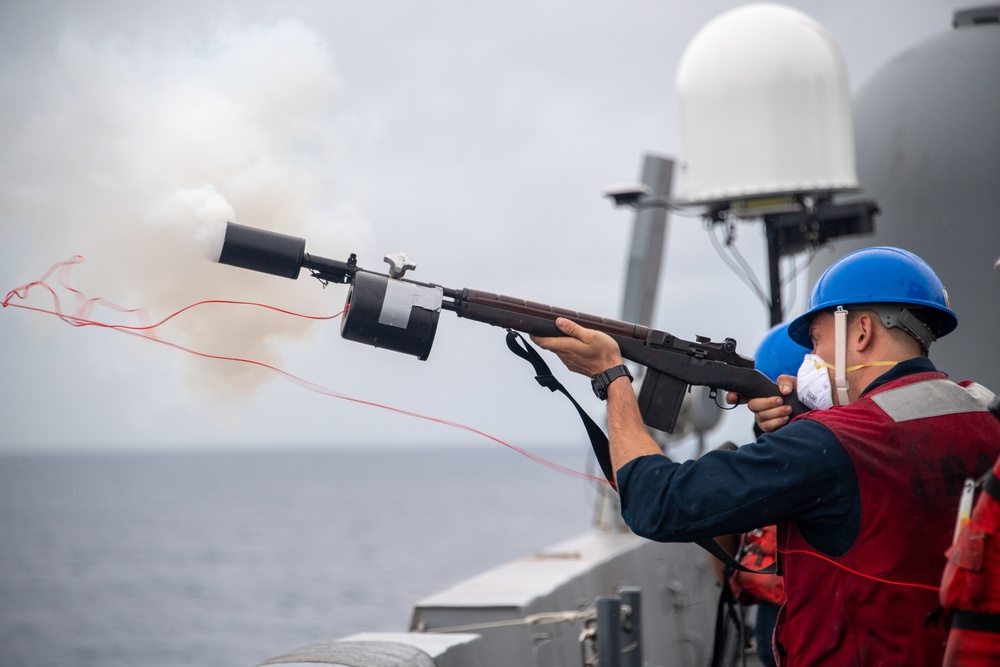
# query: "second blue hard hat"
(778, 354)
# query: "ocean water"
(230, 558)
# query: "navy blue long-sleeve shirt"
(800, 473)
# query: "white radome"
(765, 108)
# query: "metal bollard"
(631, 648)
(608, 631)
(618, 632)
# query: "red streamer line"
(862, 574)
(81, 317)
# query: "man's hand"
(584, 351)
(590, 352)
(770, 413)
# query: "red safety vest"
(912, 441)
(970, 587)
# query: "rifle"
(389, 311)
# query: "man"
(864, 488)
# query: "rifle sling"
(599, 441)
(522, 348)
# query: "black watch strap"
(601, 381)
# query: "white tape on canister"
(400, 298)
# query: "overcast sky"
(475, 137)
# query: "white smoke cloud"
(199, 214)
(134, 153)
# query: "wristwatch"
(601, 381)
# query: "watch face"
(601, 381)
(599, 387)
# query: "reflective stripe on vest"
(932, 398)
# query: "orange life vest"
(759, 551)
(970, 586)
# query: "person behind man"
(864, 488)
(970, 585)
(776, 355)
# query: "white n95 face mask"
(813, 383)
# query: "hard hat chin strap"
(840, 354)
(840, 367)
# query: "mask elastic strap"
(840, 354)
(851, 369)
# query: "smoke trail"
(135, 154)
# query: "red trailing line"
(81, 317)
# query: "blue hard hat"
(778, 354)
(875, 277)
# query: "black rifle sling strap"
(522, 348)
(599, 441)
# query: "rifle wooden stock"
(672, 364)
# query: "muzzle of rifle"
(381, 311)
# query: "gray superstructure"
(928, 151)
